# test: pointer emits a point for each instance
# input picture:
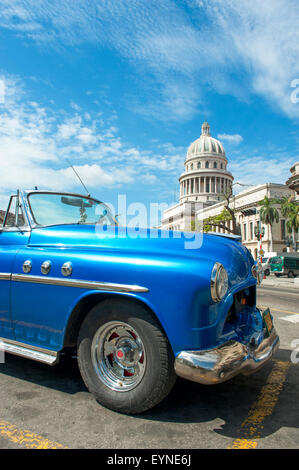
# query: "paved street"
(50, 407)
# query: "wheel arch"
(90, 300)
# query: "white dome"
(205, 178)
(205, 144)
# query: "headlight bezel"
(219, 279)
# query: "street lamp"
(259, 232)
(289, 241)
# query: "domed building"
(203, 185)
(205, 178)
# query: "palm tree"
(268, 215)
(290, 211)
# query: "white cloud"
(257, 42)
(94, 175)
(260, 169)
(67, 130)
(265, 38)
(2, 91)
(232, 138)
(33, 151)
(176, 101)
(38, 147)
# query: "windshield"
(276, 261)
(57, 209)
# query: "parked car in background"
(266, 262)
(136, 311)
(285, 265)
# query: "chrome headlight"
(219, 282)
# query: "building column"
(213, 184)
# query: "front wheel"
(124, 357)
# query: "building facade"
(247, 212)
(293, 181)
(202, 187)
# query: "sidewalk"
(281, 282)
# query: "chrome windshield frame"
(21, 203)
(30, 217)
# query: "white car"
(266, 265)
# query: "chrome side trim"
(30, 352)
(56, 281)
(224, 362)
(5, 276)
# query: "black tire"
(291, 274)
(267, 272)
(158, 376)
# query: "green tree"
(219, 220)
(268, 215)
(290, 210)
(227, 214)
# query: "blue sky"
(120, 88)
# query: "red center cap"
(120, 354)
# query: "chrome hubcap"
(118, 356)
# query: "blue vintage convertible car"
(137, 311)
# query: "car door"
(13, 236)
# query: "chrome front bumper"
(224, 362)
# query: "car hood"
(149, 243)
